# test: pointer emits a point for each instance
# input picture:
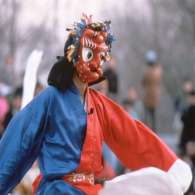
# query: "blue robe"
(44, 129)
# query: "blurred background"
(165, 26)
(150, 35)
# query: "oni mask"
(92, 53)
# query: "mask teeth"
(89, 43)
(93, 45)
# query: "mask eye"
(87, 54)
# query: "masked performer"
(64, 126)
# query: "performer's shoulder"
(51, 89)
(48, 92)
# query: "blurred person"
(187, 85)
(112, 76)
(8, 75)
(64, 127)
(5, 89)
(129, 107)
(39, 87)
(132, 94)
(4, 107)
(131, 103)
(187, 139)
(15, 104)
(181, 101)
(151, 88)
(188, 119)
(102, 87)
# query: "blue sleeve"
(20, 145)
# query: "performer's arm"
(21, 142)
(133, 142)
(138, 147)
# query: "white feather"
(30, 76)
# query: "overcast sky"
(35, 11)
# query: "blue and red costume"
(66, 135)
(65, 138)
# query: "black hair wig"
(61, 74)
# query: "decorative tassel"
(70, 52)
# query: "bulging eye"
(87, 54)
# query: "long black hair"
(61, 74)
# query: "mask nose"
(96, 62)
(93, 66)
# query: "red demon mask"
(91, 55)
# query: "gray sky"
(35, 11)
